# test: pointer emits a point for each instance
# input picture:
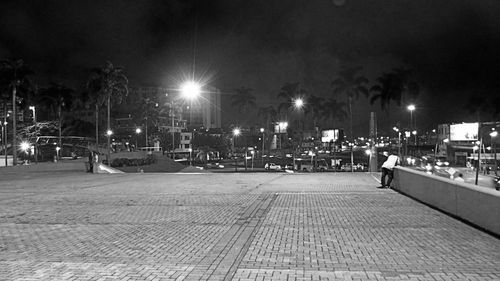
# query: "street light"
(396, 129)
(35, 151)
(25, 147)
(282, 125)
(262, 132)
(190, 90)
(236, 132)
(493, 135)
(108, 134)
(137, 132)
(4, 135)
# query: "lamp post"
(4, 127)
(236, 132)
(396, 129)
(262, 153)
(281, 125)
(108, 155)
(411, 108)
(35, 151)
(190, 156)
(190, 90)
(137, 132)
(493, 135)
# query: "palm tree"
(57, 98)
(107, 83)
(243, 99)
(314, 106)
(351, 85)
(14, 77)
(334, 110)
(289, 92)
(394, 86)
(269, 114)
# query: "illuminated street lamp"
(282, 125)
(262, 132)
(236, 132)
(25, 147)
(411, 108)
(35, 150)
(396, 129)
(108, 134)
(493, 135)
(190, 90)
(57, 153)
(298, 103)
(137, 132)
(4, 135)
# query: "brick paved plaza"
(327, 226)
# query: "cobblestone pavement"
(262, 226)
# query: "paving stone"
(265, 226)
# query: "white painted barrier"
(477, 205)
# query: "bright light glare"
(411, 107)
(494, 134)
(236, 132)
(138, 130)
(368, 152)
(298, 103)
(109, 132)
(25, 146)
(190, 89)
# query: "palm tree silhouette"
(107, 83)
(352, 85)
(394, 86)
(243, 99)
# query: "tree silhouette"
(56, 98)
(243, 99)
(334, 110)
(14, 83)
(288, 93)
(351, 85)
(106, 84)
(394, 86)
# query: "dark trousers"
(390, 174)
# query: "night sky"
(453, 46)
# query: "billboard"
(464, 132)
(329, 135)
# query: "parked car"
(272, 166)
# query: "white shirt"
(391, 161)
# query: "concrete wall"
(477, 205)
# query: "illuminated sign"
(464, 132)
(329, 135)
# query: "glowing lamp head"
(236, 132)
(25, 146)
(298, 103)
(494, 134)
(109, 133)
(262, 130)
(411, 107)
(138, 130)
(190, 89)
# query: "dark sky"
(453, 46)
